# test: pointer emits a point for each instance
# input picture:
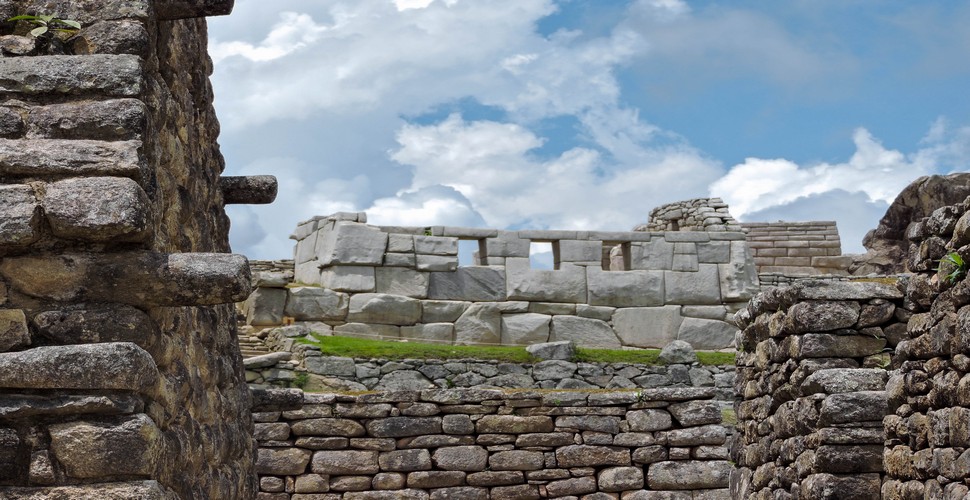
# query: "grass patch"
(365, 348)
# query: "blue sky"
(585, 114)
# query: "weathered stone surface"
(441, 311)
(571, 487)
(853, 407)
(580, 455)
(625, 288)
(400, 281)
(838, 380)
(331, 365)
(249, 190)
(436, 479)
(516, 460)
(133, 490)
(113, 75)
(481, 323)
(688, 475)
(384, 309)
(823, 316)
(315, 304)
(461, 458)
(564, 350)
(342, 427)
(584, 332)
(706, 334)
(700, 287)
(112, 365)
(107, 447)
(404, 380)
(97, 209)
(862, 486)
(678, 352)
(647, 326)
(282, 461)
(266, 360)
(13, 330)
(265, 306)
(265, 400)
(696, 436)
(693, 413)
(434, 332)
(823, 345)
(404, 426)
(350, 243)
(112, 119)
(620, 479)
(368, 331)
(554, 369)
(344, 462)
(567, 284)
(525, 329)
(648, 420)
(478, 283)
(19, 215)
(344, 278)
(136, 278)
(405, 460)
(513, 424)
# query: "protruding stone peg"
(183, 9)
(248, 190)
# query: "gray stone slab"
(728, 236)
(656, 254)
(479, 324)
(436, 262)
(603, 313)
(625, 288)
(704, 312)
(264, 307)
(684, 262)
(552, 308)
(548, 234)
(438, 311)
(469, 232)
(580, 251)
(701, 287)
(307, 273)
(584, 332)
(685, 236)
(384, 309)
(525, 329)
(401, 281)
(507, 244)
(19, 215)
(352, 243)
(714, 252)
(315, 304)
(739, 277)
(707, 334)
(567, 284)
(440, 333)
(620, 236)
(348, 278)
(306, 249)
(400, 243)
(478, 283)
(435, 245)
(400, 260)
(647, 326)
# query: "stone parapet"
(811, 382)
(479, 443)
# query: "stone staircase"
(251, 346)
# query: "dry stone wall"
(120, 374)
(479, 444)
(700, 214)
(928, 427)
(796, 248)
(395, 282)
(811, 382)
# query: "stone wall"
(797, 248)
(811, 380)
(928, 427)
(701, 214)
(394, 282)
(479, 444)
(120, 375)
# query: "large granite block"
(384, 309)
(435, 245)
(647, 326)
(585, 332)
(525, 329)
(479, 324)
(656, 254)
(507, 244)
(701, 287)
(264, 307)
(307, 273)
(19, 215)
(401, 281)
(352, 243)
(580, 251)
(477, 283)
(348, 278)
(707, 334)
(436, 262)
(431, 332)
(625, 288)
(567, 284)
(315, 304)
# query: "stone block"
(107, 447)
(112, 75)
(479, 283)
(439, 263)
(308, 273)
(840, 380)
(693, 413)
(602, 313)
(337, 462)
(315, 304)
(689, 475)
(564, 350)
(656, 254)
(404, 460)
(525, 329)
(437, 333)
(248, 189)
(507, 244)
(567, 284)
(853, 407)
(823, 316)
(384, 309)
(616, 479)
(584, 332)
(461, 458)
(579, 455)
(109, 365)
(516, 460)
(282, 461)
(351, 243)
(442, 311)
(306, 250)
(402, 243)
(625, 288)
(701, 287)
(647, 326)
(552, 308)
(397, 427)
(824, 345)
(14, 333)
(265, 306)
(580, 251)
(402, 281)
(435, 245)
(707, 334)
(714, 252)
(19, 215)
(739, 277)
(481, 323)
(684, 262)
(368, 331)
(59, 157)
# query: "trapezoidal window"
(472, 253)
(616, 256)
(544, 254)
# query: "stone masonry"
(395, 282)
(480, 444)
(700, 214)
(120, 375)
(796, 248)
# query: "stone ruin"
(120, 375)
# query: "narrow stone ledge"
(28, 405)
(106, 74)
(115, 365)
(183, 9)
(141, 279)
(136, 490)
(60, 157)
(248, 190)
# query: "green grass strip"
(365, 348)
